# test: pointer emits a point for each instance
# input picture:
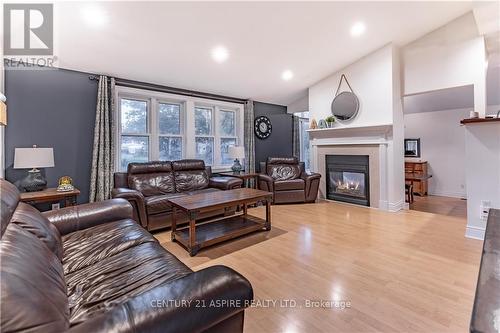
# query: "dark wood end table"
(50, 195)
(196, 236)
(245, 176)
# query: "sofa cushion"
(292, 184)
(33, 289)
(160, 203)
(151, 178)
(283, 171)
(88, 246)
(30, 219)
(115, 279)
(205, 190)
(8, 203)
(190, 175)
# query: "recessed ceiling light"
(358, 29)
(287, 75)
(220, 54)
(94, 16)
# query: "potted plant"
(330, 120)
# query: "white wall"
(442, 141)
(370, 78)
(376, 80)
(482, 146)
(451, 56)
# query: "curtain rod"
(171, 90)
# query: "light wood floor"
(402, 272)
(440, 205)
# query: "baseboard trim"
(475, 232)
(396, 206)
(459, 195)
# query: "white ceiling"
(169, 43)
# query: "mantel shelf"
(372, 128)
(479, 120)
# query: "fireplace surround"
(348, 178)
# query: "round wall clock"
(263, 127)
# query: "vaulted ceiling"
(170, 43)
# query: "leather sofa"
(287, 179)
(149, 186)
(91, 268)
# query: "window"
(134, 140)
(170, 138)
(160, 126)
(305, 154)
(203, 118)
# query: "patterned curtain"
(249, 138)
(103, 155)
(296, 137)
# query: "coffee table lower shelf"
(217, 231)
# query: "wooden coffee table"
(196, 236)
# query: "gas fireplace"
(347, 178)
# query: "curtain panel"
(249, 137)
(103, 154)
(296, 137)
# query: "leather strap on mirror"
(343, 77)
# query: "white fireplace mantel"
(379, 137)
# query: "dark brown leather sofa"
(287, 179)
(149, 186)
(91, 268)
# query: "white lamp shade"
(236, 152)
(27, 158)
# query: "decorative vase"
(236, 166)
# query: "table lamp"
(236, 153)
(33, 158)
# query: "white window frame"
(188, 104)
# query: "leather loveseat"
(149, 186)
(287, 179)
(91, 268)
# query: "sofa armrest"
(312, 185)
(136, 199)
(225, 183)
(193, 303)
(74, 218)
(266, 183)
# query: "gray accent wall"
(279, 143)
(52, 108)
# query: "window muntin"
(172, 127)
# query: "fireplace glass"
(348, 179)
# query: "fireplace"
(347, 179)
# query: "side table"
(50, 195)
(245, 176)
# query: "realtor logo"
(28, 29)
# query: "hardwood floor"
(440, 205)
(401, 272)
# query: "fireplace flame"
(345, 185)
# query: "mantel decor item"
(33, 158)
(314, 124)
(412, 147)
(236, 153)
(322, 124)
(263, 127)
(65, 184)
(345, 105)
(330, 120)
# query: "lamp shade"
(236, 152)
(27, 158)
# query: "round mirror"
(345, 106)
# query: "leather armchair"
(148, 186)
(287, 179)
